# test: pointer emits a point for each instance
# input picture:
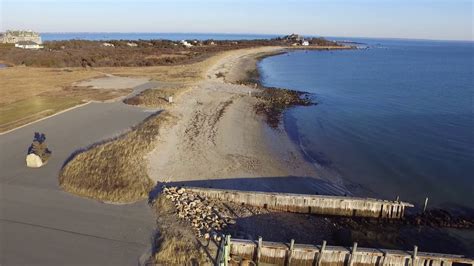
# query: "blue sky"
(420, 19)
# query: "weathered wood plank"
(317, 204)
(276, 253)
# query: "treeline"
(125, 53)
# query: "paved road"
(42, 225)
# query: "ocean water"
(396, 119)
(150, 36)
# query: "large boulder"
(33, 161)
(38, 152)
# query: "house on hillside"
(15, 36)
(304, 43)
(28, 45)
(294, 38)
(186, 44)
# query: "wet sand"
(217, 140)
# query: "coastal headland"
(212, 136)
(209, 135)
(79, 130)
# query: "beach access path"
(42, 225)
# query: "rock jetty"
(205, 217)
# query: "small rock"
(33, 161)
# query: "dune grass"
(115, 171)
(175, 242)
(157, 98)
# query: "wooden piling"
(413, 256)
(353, 251)
(290, 252)
(220, 254)
(278, 253)
(259, 249)
(321, 252)
(227, 250)
(382, 260)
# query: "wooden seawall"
(316, 204)
(260, 252)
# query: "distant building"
(132, 44)
(28, 45)
(15, 36)
(294, 37)
(107, 44)
(186, 44)
(304, 43)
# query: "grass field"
(29, 94)
(31, 109)
(19, 83)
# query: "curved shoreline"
(219, 141)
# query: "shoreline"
(219, 141)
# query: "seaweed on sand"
(272, 102)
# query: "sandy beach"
(217, 140)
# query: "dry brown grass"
(115, 171)
(176, 73)
(19, 83)
(30, 93)
(176, 243)
(156, 98)
(50, 102)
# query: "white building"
(28, 45)
(186, 44)
(132, 44)
(305, 43)
(107, 44)
(14, 36)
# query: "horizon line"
(264, 34)
(258, 34)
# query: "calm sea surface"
(395, 119)
(150, 36)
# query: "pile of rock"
(205, 217)
(38, 152)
